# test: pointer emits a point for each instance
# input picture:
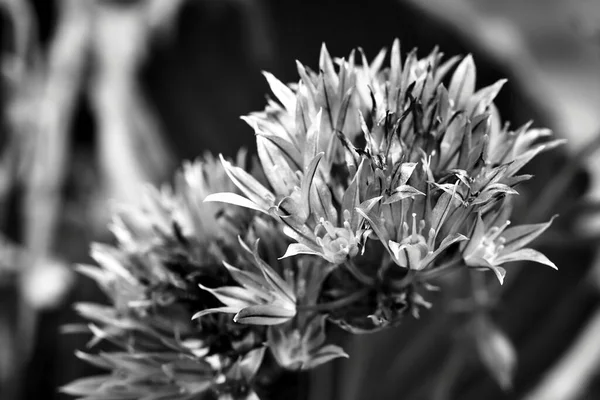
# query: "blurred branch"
(66, 61)
(552, 193)
(571, 376)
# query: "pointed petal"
(251, 281)
(225, 310)
(521, 235)
(526, 255)
(251, 362)
(273, 277)
(403, 192)
(235, 199)
(447, 242)
(377, 226)
(287, 148)
(462, 83)
(339, 126)
(500, 273)
(482, 99)
(283, 93)
(311, 147)
(307, 181)
(275, 165)
(249, 185)
(323, 355)
(264, 315)
(406, 170)
(299, 248)
(232, 296)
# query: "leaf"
(267, 314)
(235, 199)
(462, 84)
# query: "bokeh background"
(99, 97)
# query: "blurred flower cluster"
(371, 181)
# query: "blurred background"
(99, 97)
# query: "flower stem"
(335, 304)
(358, 275)
(439, 271)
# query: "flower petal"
(283, 93)
(232, 296)
(462, 83)
(225, 310)
(526, 255)
(266, 314)
(521, 235)
(235, 199)
(299, 248)
(403, 192)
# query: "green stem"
(335, 304)
(479, 290)
(358, 275)
(429, 274)
(440, 270)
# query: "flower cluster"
(372, 180)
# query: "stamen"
(346, 216)
(414, 227)
(421, 226)
(404, 229)
(328, 227)
(497, 230)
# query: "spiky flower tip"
(373, 181)
(389, 174)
